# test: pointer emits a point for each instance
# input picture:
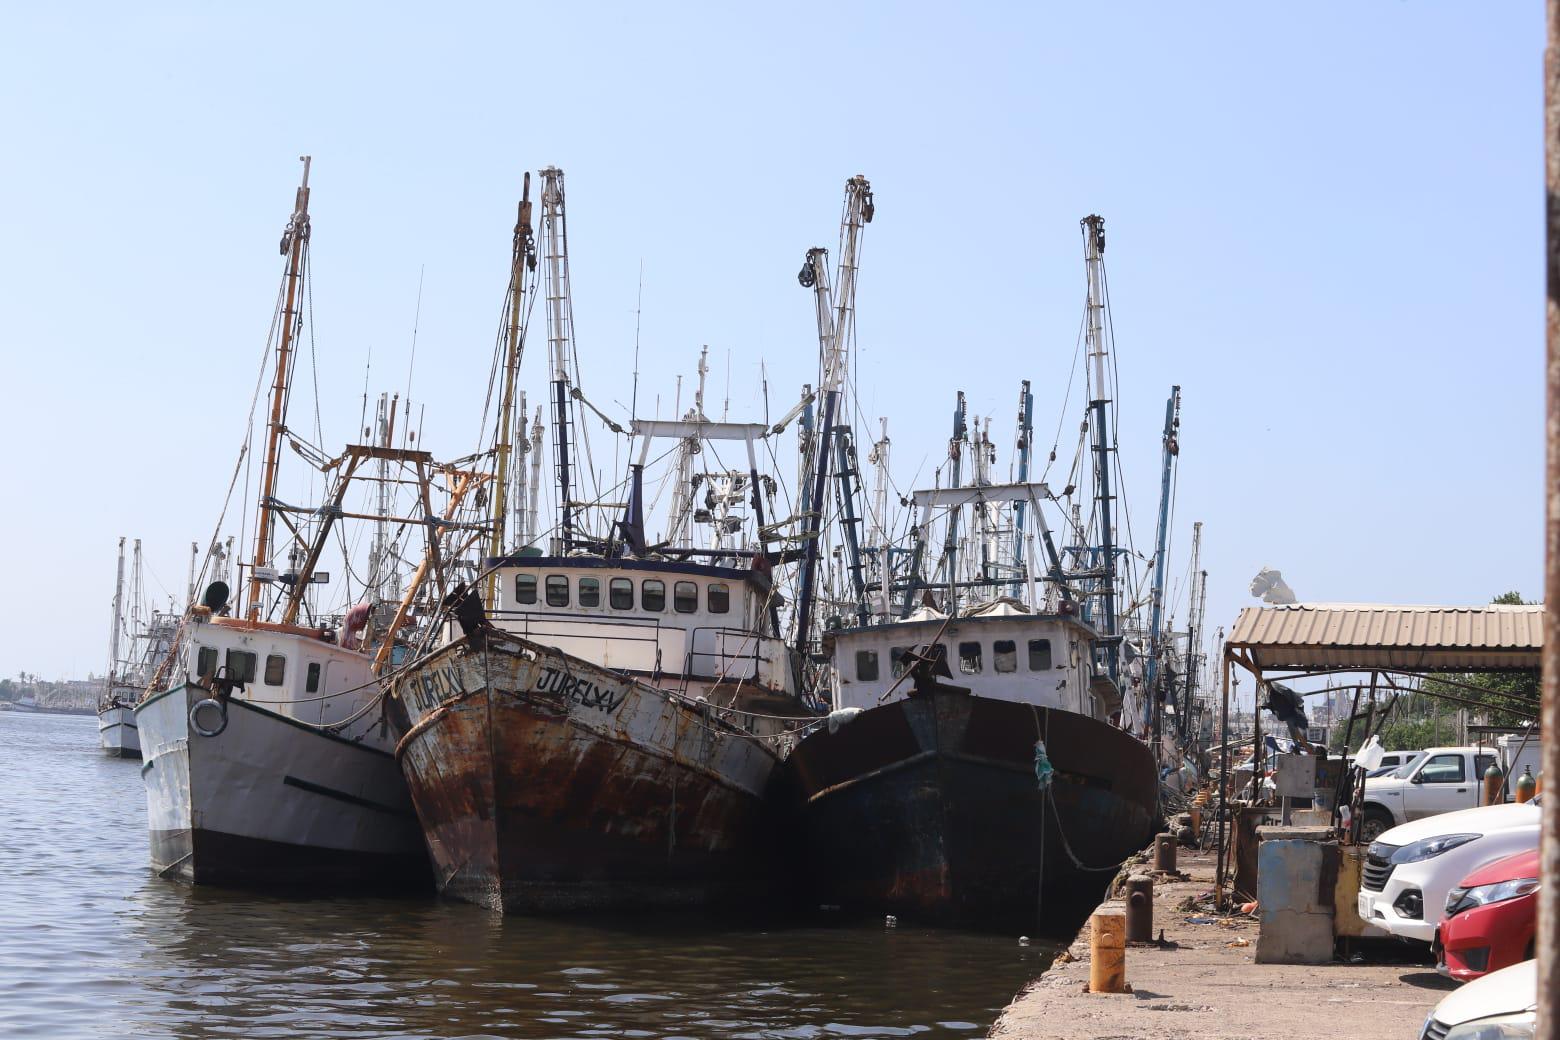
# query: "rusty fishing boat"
(599, 722)
(987, 759)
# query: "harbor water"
(93, 945)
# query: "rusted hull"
(545, 784)
(930, 808)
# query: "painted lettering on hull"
(431, 687)
(582, 691)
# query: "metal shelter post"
(1548, 1027)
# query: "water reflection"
(92, 945)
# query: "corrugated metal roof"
(1306, 636)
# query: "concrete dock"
(1204, 983)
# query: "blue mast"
(1172, 448)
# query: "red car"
(1490, 918)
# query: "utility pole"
(1548, 1026)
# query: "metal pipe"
(1224, 781)
(1548, 1026)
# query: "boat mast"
(1097, 350)
(194, 558)
(951, 535)
(835, 333)
(1194, 625)
(1026, 436)
(295, 241)
(119, 618)
(1172, 448)
(137, 590)
(682, 491)
(522, 260)
(535, 491)
(879, 533)
(560, 337)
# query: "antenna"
(639, 303)
(411, 362)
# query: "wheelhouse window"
(718, 598)
(969, 658)
(1039, 655)
(557, 590)
(652, 595)
(620, 593)
(1004, 655)
(240, 666)
(206, 662)
(867, 665)
(312, 682)
(525, 588)
(685, 597)
(898, 660)
(275, 669)
(590, 592)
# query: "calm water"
(92, 945)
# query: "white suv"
(1410, 869)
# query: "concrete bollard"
(1140, 909)
(1108, 952)
(1164, 853)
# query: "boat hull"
(546, 784)
(269, 802)
(117, 732)
(930, 807)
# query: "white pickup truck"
(1436, 780)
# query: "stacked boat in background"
(139, 641)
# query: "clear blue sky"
(1324, 223)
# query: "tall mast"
(382, 572)
(879, 532)
(682, 491)
(535, 493)
(194, 558)
(295, 241)
(119, 618)
(522, 260)
(835, 332)
(560, 342)
(1026, 436)
(955, 479)
(522, 477)
(1172, 448)
(1094, 268)
(1194, 625)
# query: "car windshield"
(1408, 767)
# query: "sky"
(1324, 223)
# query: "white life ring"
(195, 720)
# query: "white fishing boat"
(268, 752)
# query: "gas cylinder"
(1493, 778)
(1526, 785)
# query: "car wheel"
(1375, 823)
